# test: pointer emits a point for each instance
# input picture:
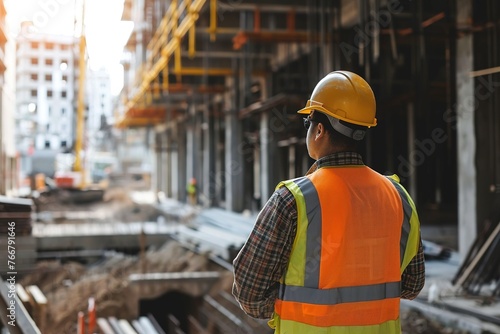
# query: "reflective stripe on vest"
(313, 243)
(410, 229)
(340, 295)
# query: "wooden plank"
(155, 324)
(22, 294)
(146, 324)
(195, 326)
(24, 324)
(115, 325)
(126, 327)
(478, 257)
(37, 294)
(138, 327)
(104, 326)
(174, 325)
(473, 250)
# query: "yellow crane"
(75, 182)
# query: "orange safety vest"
(356, 233)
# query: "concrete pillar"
(181, 167)
(198, 146)
(234, 163)
(466, 141)
(233, 170)
(157, 170)
(265, 190)
(216, 178)
(413, 155)
(257, 192)
(190, 144)
(164, 169)
(149, 157)
(209, 137)
(168, 169)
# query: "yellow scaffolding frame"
(168, 24)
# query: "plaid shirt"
(264, 258)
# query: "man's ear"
(320, 131)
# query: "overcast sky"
(106, 35)
(48, 16)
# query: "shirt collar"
(337, 159)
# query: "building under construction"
(214, 87)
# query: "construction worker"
(191, 191)
(333, 251)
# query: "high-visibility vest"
(356, 233)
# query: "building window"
(48, 127)
(49, 62)
(65, 78)
(34, 61)
(34, 77)
(63, 94)
(48, 77)
(47, 144)
(63, 111)
(34, 93)
(64, 47)
(49, 46)
(49, 93)
(63, 143)
(34, 45)
(31, 107)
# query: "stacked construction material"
(15, 212)
(479, 274)
(17, 245)
(216, 231)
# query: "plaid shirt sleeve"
(413, 277)
(263, 259)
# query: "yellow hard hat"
(345, 96)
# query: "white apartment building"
(46, 88)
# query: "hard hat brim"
(308, 110)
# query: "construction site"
(206, 127)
